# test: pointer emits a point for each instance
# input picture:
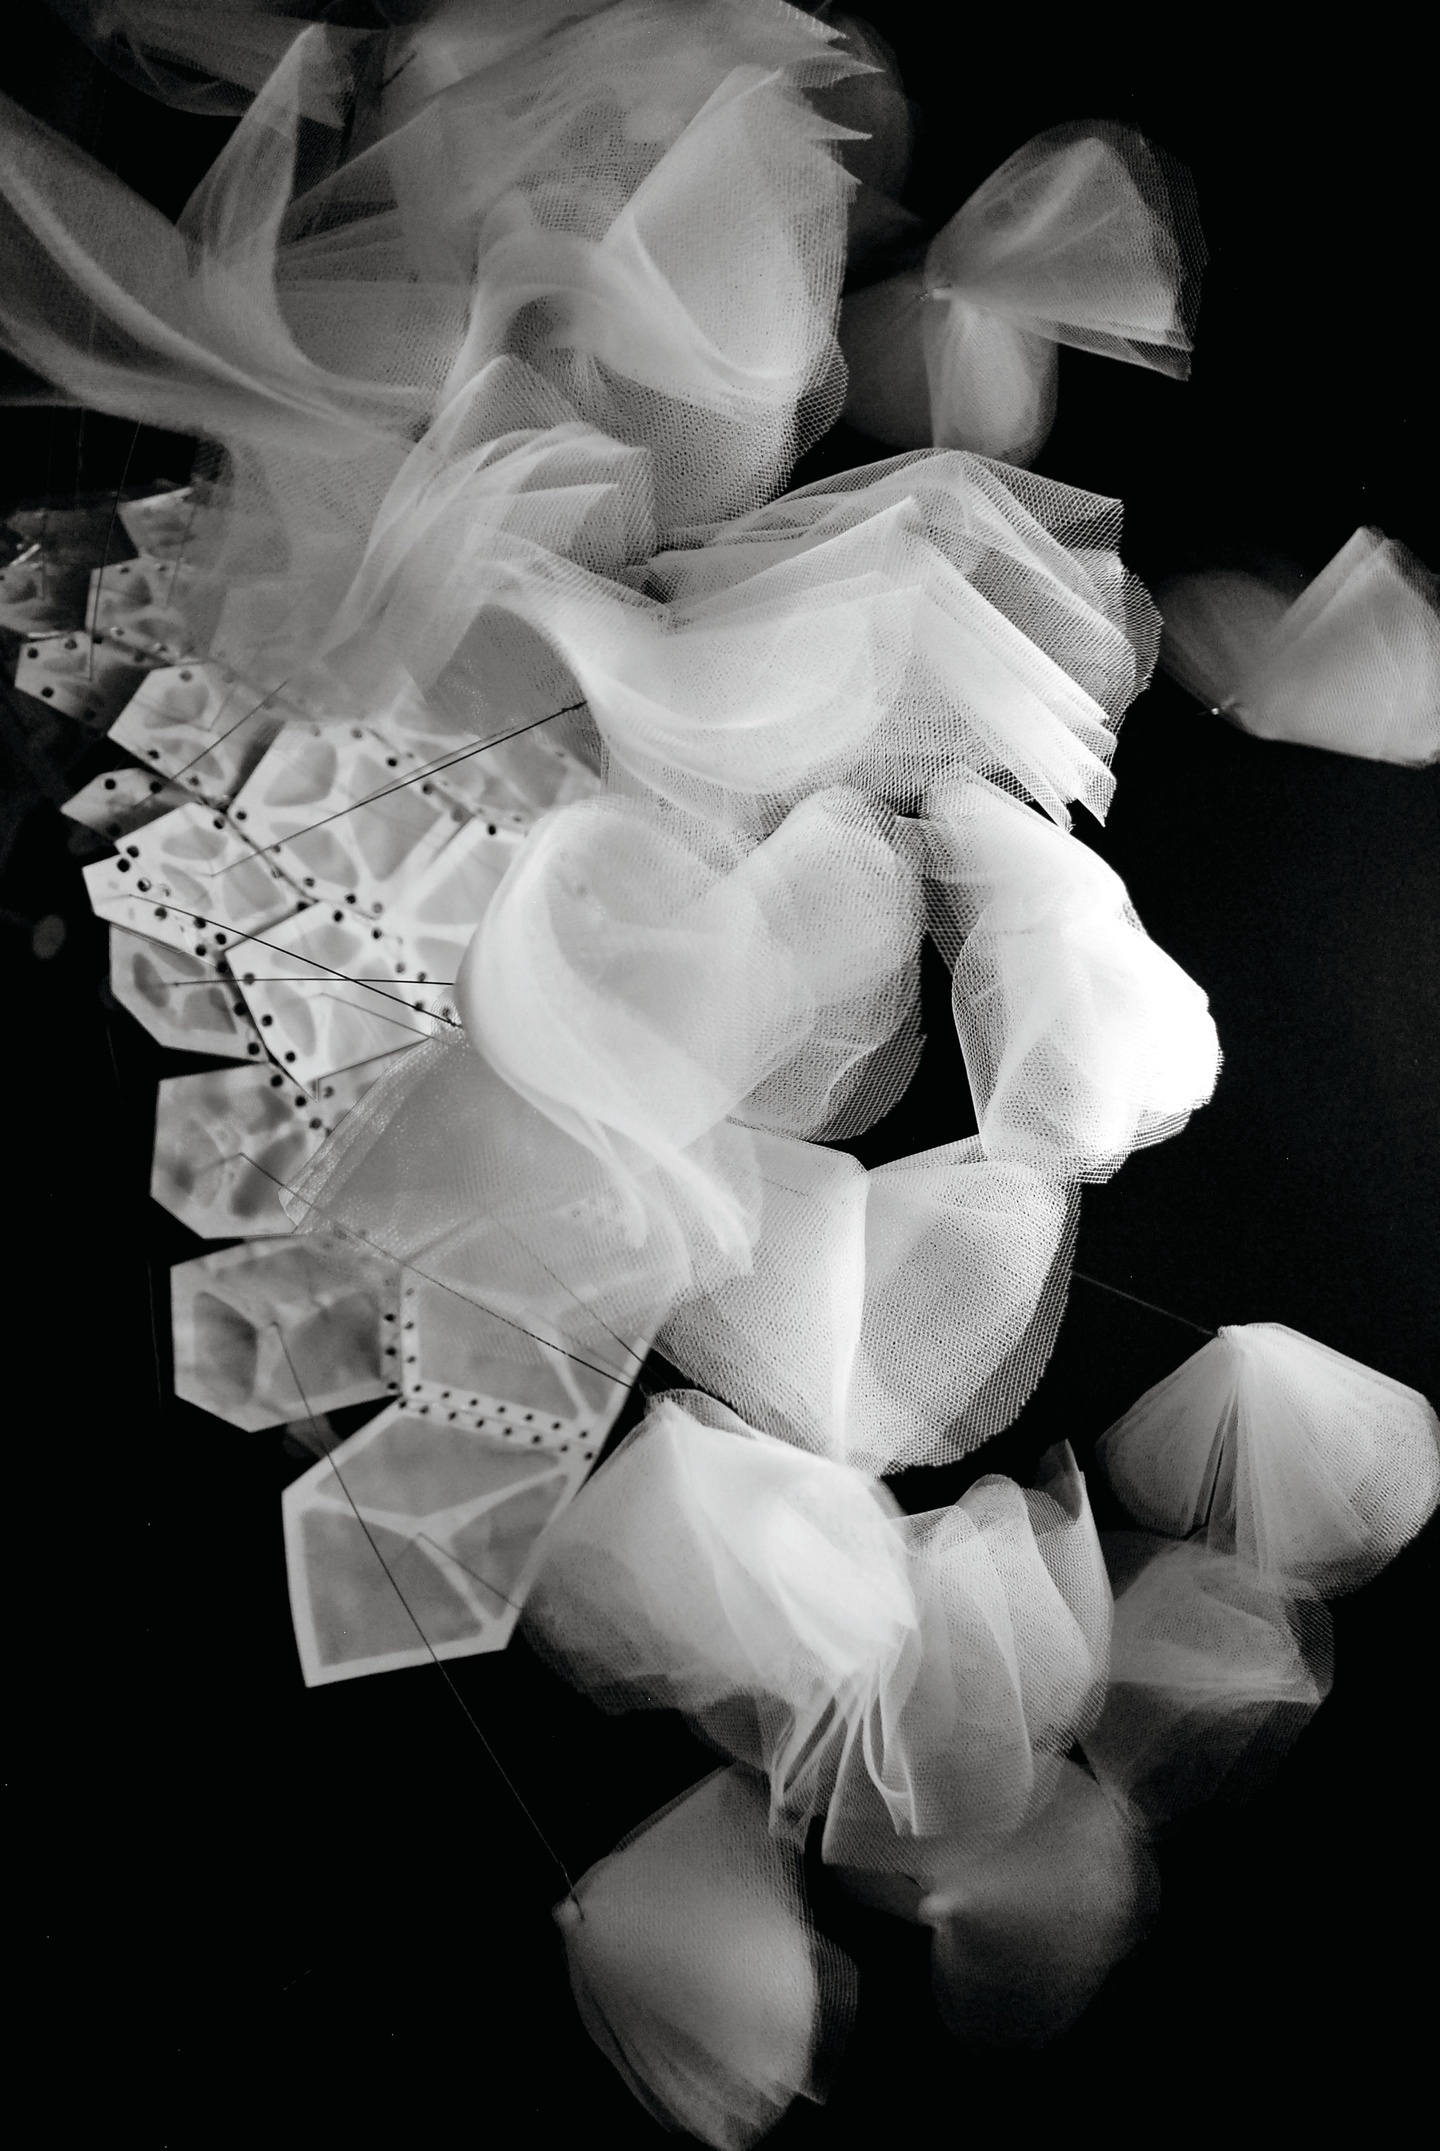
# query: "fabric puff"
(654, 218)
(874, 630)
(1006, 1669)
(639, 978)
(711, 1569)
(919, 1679)
(1215, 1670)
(885, 1318)
(1351, 665)
(1082, 1040)
(1308, 1466)
(1024, 1933)
(1087, 236)
(698, 1971)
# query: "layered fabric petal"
(1309, 1467)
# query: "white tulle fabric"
(1087, 236)
(917, 1678)
(643, 205)
(1215, 1670)
(1308, 1466)
(886, 1318)
(1351, 665)
(640, 978)
(1025, 1932)
(873, 630)
(698, 1971)
(1083, 1041)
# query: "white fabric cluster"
(563, 806)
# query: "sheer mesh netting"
(1087, 236)
(1082, 1040)
(1308, 1466)
(1215, 1670)
(1352, 664)
(787, 1607)
(547, 813)
(698, 1970)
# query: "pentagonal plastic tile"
(274, 1330)
(352, 817)
(81, 677)
(183, 1001)
(158, 606)
(201, 726)
(161, 524)
(328, 993)
(122, 800)
(229, 1142)
(39, 596)
(191, 879)
(415, 1540)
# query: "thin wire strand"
(1136, 1301)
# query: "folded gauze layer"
(639, 977)
(1087, 236)
(870, 631)
(1312, 1468)
(1214, 1672)
(918, 1679)
(1005, 1671)
(644, 207)
(1083, 1041)
(887, 1318)
(698, 1971)
(1352, 665)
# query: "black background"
(329, 1896)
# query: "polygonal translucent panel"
(201, 726)
(328, 993)
(505, 781)
(160, 524)
(483, 1368)
(181, 999)
(122, 800)
(192, 880)
(228, 1142)
(413, 1541)
(275, 1329)
(38, 594)
(351, 817)
(438, 913)
(146, 605)
(82, 678)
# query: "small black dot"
(237, 1008)
(289, 1056)
(249, 980)
(266, 1022)
(122, 866)
(110, 785)
(252, 1047)
(240, 813)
